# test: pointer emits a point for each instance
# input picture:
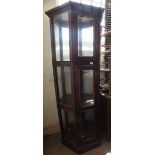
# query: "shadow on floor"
(52, 146)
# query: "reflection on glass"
(64, 84)
(85, 36)
(61, 31)
(86, 84)
(68, 120)
(88, 124)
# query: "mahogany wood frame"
(78, 63)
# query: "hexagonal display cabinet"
(75, 43)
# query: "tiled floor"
(53, 146)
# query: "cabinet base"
(81, 149)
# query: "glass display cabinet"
(75, 42)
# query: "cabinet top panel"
(77, 7)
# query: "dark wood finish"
(105, 115)
(77, 7)
(79, 142)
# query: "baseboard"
(51, 129)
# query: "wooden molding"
(51, 129)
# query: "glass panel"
(86, 84)
(61, 30)
(85, 36)
(88, 124)
(64, 84)
(68, 120)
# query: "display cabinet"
(75, 42)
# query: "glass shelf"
(105, 70)
(108, 33)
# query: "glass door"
(68, 123)
(61, 23)
(85, 36)
(61, 33)
(86, 102)
(64, 85)
(86, 87)
(88, 125)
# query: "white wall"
(49, 101)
